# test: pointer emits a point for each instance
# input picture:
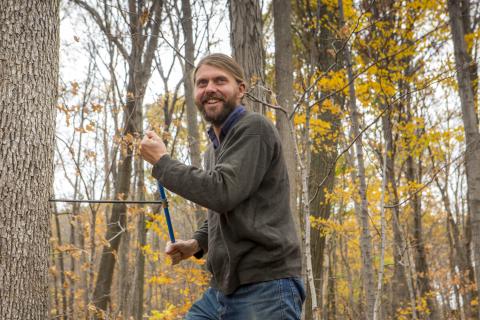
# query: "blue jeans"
(277, 300)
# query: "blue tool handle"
(163, 197)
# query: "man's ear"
(241, 90)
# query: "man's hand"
(181, 249)
(152, 147)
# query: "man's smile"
(212, 100)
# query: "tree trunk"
(124, 278)
(284, 89)
(319, 62)
(332, 306)
(135, 301)
(361, 209)
(192, 120)
(468, 28)
(61, 266)
(421, 265)
(472, 135)
(320, 165)
(29, 37)
(246, 38)
(135, 296)
(399, 286)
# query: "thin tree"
(284, 87)
(399, 286)
(470, 123)
(361, 207)
(192, 120)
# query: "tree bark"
(192, 117)
(29, 37)
(470, 123)
(399, 286)
(61, 266)
(137, 291)
(246, 39)
(284, 89)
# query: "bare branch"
(106, 30)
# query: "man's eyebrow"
(221, 77)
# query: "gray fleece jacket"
(249, 234)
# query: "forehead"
(206, 71)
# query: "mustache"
(214, 96)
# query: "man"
(249, 236)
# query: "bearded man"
(253, 251)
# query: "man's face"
(217, 93)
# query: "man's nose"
(210, 87)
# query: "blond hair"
(223, 62)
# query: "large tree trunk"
(29, 37)
(246, 37)
(470, 123)
(319, 62)
(324, 154)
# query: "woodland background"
(376, 102)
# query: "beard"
(218, 119)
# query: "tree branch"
(98, 19)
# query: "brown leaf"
(144, 17)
